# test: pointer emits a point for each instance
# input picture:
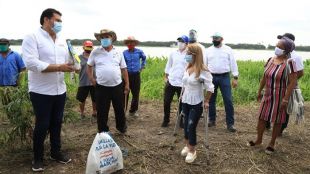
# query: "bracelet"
(236, 77)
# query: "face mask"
(4, 48)
(216, 43)
(130, 47)
(278, 51)
(106, 42)
(57, 27)
(181, 45)
(188, 58)
(87, 51)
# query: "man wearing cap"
(85, 85)
(174, 71)
(300, 72)
(46, 55)
(110, 67)
(135, 60)
(221, 63)
(193, 38)
(11, 65)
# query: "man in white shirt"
(221, 62)
(193, 38)
(174, 71)
(110, 67)
(300, 72)
(45, 56)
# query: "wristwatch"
(236, 77)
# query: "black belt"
(133, 73)
(222, 74)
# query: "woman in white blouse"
(196, 78)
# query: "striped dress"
(276, 76)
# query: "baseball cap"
(88, 43)
(217, 34)
(183, 38)
(288, 35)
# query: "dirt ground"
(153, 149)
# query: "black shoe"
(122, 130)
(60, 157)
(165, 124)
(231, 129)
(37, 166)
(211, 124)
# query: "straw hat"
(130, 39)
(102, 32)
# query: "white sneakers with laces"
(190, 157)
(184, 151)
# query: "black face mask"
(216, 43)
(87, 51)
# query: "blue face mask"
(57, 27)
(188, 58)
(106, 42)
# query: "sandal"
(269, 150)
(252, 144)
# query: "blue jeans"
(222, 81)
(49, 114)
(192, 115)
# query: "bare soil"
(152, 149)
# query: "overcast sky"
(239, 21)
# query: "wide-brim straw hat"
(131, 39)
(102, 32)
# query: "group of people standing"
(109, 74)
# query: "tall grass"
(250, 73)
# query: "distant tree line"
(172, 43)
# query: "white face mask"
(181, 45)
(278, 51)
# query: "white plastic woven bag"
(104, 156)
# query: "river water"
(240, 54)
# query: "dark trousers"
(192, 115)
(134, 85)
(104, 96)
(223, 82)
(168, 96)
(48, 111)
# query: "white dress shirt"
(175, 67)
(221, 60)
(39, 50)
(193, 93)
(108, 66)
(298, 60)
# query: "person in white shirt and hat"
(221, 62)
(110, 68)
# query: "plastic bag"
(104, 156)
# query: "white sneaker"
(184, 151)
(190, 157)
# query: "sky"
(239, 21)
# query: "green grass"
(250, 74)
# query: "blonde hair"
(197, 63)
